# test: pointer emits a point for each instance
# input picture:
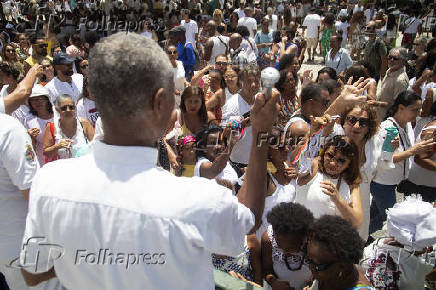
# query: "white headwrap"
(412, 223)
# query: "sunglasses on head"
(363, 122)
(71, 107)
(319, 267)
(339, 143)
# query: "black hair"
(34, 37)
(290, 32)
(277, 38)
(243, 31)
(282, 79)
(330, 71)
(49, 107)
(330, 85)
(310, 92)
(290, 218)
(431, 44)
(329, 19)
(9, 70)
(405, 98)
(433, 110)
(356, 71)
(342, 240)
(201, 138)
(369, 67)
(285, 61)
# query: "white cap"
(39, 90)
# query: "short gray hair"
(401, 51)
(125, 72)
(60, 98)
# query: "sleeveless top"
(79, 142)
(298, 278)
(217, 110)
(283, 193)
(319, 203)
(278, 54)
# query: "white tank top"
(319, 203)
(79, 142)
(219, 47)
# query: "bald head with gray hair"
(125, 73)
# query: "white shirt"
(240, 12)
(170, 224)
(393, 176)
(56, 88)
(220, 46)
(357, 8)
(35, 122)
(249, 45)
(250, 23)
(412, 24)
(273, 24)
(21, 114)
(368, 14)
(86, 110)
(312, 22)
(342, 26)
(235, 107)
(228, 173)
(191, 31)
(341, 61)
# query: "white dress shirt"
(57, 87)
(125, 205)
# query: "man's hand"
(33, 132)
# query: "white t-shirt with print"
(250, 23)
(86, 110)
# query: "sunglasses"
(10, 50)
(46, 66)
(84, 66)
(319, 267)
(70, 107)
(43, 45)
(394, 57)
(172, 51)
(363, 122)
(221, 63)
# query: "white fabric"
(79, 144)
(240, 12)
(191, 31)
(251, 51)
(39, 123)
(179, 77)
(228, 173)
(357, 8)
(413, 269)
(133, 208)
(343, 26)
(57, 88)
(311, 196)
(297, 279)
(236, 106)
(312, 22)
(368, 15)
(98, 130)
(412, 223)
(2, 105)
(341, 62)
(250, 23)
(283, 193)
(21, 114)
(273, 22)
(393, 176)
(412, 25)
(147, 34)
(18, 166)
(86, 110)
(219, 47)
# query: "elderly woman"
(333, 250)
(67, 137)
(41, 113)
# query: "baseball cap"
(62, 58)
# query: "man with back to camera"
(124, 203)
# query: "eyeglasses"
(230, 77)
(363, 122)
(319, 267)
(394, 57)
(83, 66)
(223, 63)
(172, 51)
(70, 107)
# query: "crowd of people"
(147, 127)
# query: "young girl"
(186, 157)
(332, 185)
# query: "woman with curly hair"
(334, 248)
(283, 245)
(332, 185)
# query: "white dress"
(319, 203)
(298, 278)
